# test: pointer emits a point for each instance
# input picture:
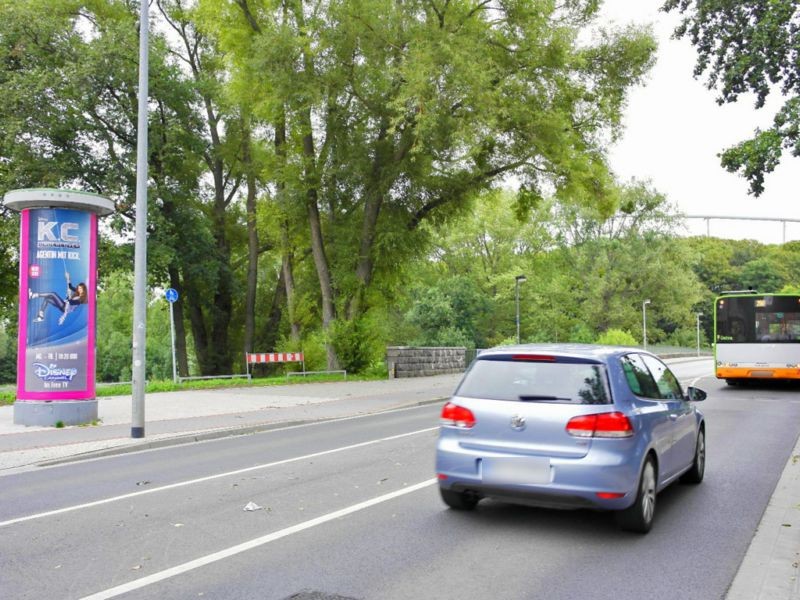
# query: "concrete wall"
(405, 361)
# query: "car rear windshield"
(526, 381)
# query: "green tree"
(114, 316)
(398, 113)
(69, 118)
(8, 353)
(765, 275)
(604, 268)
(616, 337)
(749, 46)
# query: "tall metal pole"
(172, 337)
(516, 288)
(140, 255)
(644, 322)
(518, 279)
(698, 315)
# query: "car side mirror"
(694, 394)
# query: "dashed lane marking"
(251, 544)
(180, 484)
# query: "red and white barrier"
(274, 357)
(256, 358)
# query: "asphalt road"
(349, 509)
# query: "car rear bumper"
(572, 482)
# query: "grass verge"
(124, 389)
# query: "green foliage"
(685, 337)
(355, 344)
(7, 397)
(741, 264)
(8, 354)
(449, 314)
(616, 337)
(749, 46)
(764, 275)
(397, 115)
(114, 322)
(401, 121)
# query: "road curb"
(215, 434)
(770, 569)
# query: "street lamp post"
(644, 322)
(698, 315)
(519, 279)
(138, 372)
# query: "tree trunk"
(323, 273)
(272, 327)
(194, 302)
(287, 266)
(252, 245)
(287, 278)
(312, 207)
(218, 351)
(376, 185)
(364, 269)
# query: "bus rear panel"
(757, 337)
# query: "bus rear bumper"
(758, 373)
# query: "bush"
(353, 343)
(616, 337)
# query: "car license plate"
(521, 470)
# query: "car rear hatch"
(522, 404)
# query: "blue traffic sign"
(171, 294)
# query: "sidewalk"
(181, 417)
(770, 569)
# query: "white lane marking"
(696, 379)
(249, 545)
(173, 486)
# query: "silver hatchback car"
(570, 426)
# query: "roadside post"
(57, 305)
(171, 294)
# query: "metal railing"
(304, 373)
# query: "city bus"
(756, 336)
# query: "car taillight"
(454, 415)
(603, 425)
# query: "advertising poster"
(57, 310)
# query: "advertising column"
(57, 309)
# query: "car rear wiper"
(544, 399)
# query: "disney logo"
(54, 372)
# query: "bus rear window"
(758, 319)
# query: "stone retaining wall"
(406, 361)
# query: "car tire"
(459, 500)
(732, 382)
(698, 469)
(639, 516)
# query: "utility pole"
(140, 255)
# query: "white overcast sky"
(674, 130)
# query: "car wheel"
(459, 500)
(639, 516)
(695, 474)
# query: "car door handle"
(673, 416)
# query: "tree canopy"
(335, 176)
(749, 46)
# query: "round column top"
(20, 200)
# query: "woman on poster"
(76, 295)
